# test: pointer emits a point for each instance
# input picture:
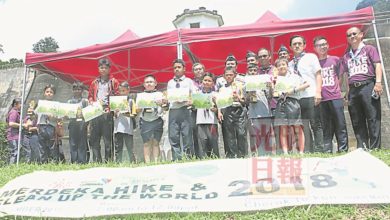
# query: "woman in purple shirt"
(13, 122)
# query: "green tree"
(1, 48)
(378, 5)
(46, 45)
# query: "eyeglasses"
(263, 56)
(352, 34)
(321, 45)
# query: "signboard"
(223, 185)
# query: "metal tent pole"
(179, 46)
(21, 114)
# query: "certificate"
(67, 109)
(119, 102)
(148, 99)
(178, 94)
(224, 98)
(257, 82)
(202, 101)
(47, 107)
(283, 84)
(92, 111)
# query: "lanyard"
(355, 56)
(296, 61)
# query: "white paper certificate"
(178, 94)
(67, 109)
(257, 82)
(202, 100)
(224, 98)
(47, 107)
(148, 99)
(92, 111)
(119, 102)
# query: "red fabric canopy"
(133, 57)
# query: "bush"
(3, 144)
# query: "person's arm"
(91, 92)
(378, 79)
(12, 118)
(318, 97)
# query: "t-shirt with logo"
(360, 64)
(330, 78)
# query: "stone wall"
(11, 86)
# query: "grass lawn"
(298, 212)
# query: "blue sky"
(79, 23)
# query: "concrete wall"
(11, 87)
(206, 21)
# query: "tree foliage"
(379, 5)
(1, 48)
(46, 45)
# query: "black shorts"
(151, 129)
(288, 112)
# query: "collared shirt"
(360, 64)
(184, 83)
(103, 91)
(307, 66)
(13, 116)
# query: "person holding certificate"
(123, 124)
(206, 118)
(259, 111)
(99, 91)
(151, 123)
(180, 122)
(288, 110)
(198, 70)
(78, 127)
(47, 125)
(234, 116)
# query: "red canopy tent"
(210, 46)
(134, 57)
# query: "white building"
(198, 18)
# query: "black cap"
(104, 61)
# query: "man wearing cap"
(180, 122)
(231, 63)
(308, 67)
(251, 58)
(99, 91)
(332, 104)
(198, 70)
(283, 53)
(363, 65)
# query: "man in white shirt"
(180, 122)
(308, 67)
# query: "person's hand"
(378, 89)
(317, 99)
(220, 117)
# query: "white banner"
(206, 186)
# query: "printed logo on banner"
(277, 177)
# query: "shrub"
(3, 144)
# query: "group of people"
(304, 117)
